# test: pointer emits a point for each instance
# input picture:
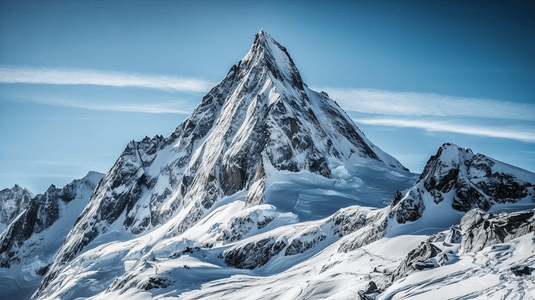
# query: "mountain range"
(268, 190)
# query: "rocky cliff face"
(29, 231)
(480, 230)
(464, 181)
(12, 202)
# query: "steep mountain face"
(41, 213)
(30, 241)
(12, 202)
(457, 180)
(259, 123)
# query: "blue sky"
(80, 79)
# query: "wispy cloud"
(428, 104)
(175, 107)
(439, 113)
(10, 74)
(153, 108)
(507, 132)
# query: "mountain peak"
(267, 52)
(259, 123)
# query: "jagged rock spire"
(268, 53)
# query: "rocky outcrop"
(240, 226)
(409, 208)
(369, 292)
(480, 230)
(475, 180)
(254, 254)
(417, 260)
(466, 180)
(12, 202)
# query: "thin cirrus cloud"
(427, 104)
(152, 108)
(439, 113)
(506, 132)
(9, 74)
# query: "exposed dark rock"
(254, 254)
(521, 270)
(42, 271)
(481, 230)
(41, 213)
(12, 202)
(467, 197)
(367, 293)
(239, 227)
(371, 288)
(416, 260)
(255, 195)
(397, 197)
(305, 242)
(454, 235)
(349, 220)
(264, 222)
(504, 187)
(156, 283)
(410, 208)
(375, 230)
(232, 179)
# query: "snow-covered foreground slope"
(183, 272)
(268, 190)
(29, 243)
(137, 263)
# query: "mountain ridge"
(29, 243)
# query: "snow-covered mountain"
(456, 180)
(30, 241)
(269, 190)
(257, 134)
(12, 202)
